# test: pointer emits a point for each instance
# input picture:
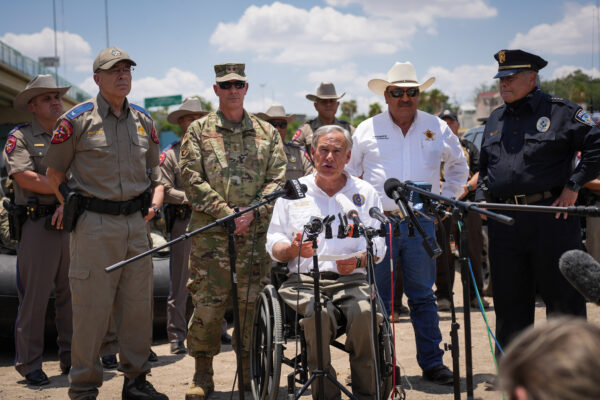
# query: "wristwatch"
(572, 185)
(470, 188)
(358, 262)
(155, 208)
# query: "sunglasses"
(410, 92)
(227, 85)
(279, 124)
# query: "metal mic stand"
(582, 211)
(459, 213)
(229, 223)
(313, 230)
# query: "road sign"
(49, 61)
(164, 101)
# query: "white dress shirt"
(380, 151)
(290, 216)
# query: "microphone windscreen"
(390, 186)
(345, 203)
(583, 272)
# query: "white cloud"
(461, 82)
(73, 50)
(285, 34)
(569, 36)
(565, 70)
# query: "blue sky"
(290, 46)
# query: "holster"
(146, 198)
(16, 218)
(173, 212)
(72, 207)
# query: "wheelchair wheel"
(266, 349)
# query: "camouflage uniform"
(298, 161)
(226, 165)
(8, 245)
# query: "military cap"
(230, 72)
(448, 114)
(109, 57)
(511, 62)
(39, 85)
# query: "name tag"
(38, 144)
(380, 137)
(95, 132)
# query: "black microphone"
(582, 272)
(292, 190)
(391, 187)
(376, 213)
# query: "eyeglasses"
(123, 70)
(227, 85)
(410, 92)
(279, 124)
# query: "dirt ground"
(172, 373)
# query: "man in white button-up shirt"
(408, 144)
(342, 281)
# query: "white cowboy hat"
(401, 74)
(39, 85)
(326, 90)
(189, 106)
(276, 111)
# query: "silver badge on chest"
(543, 124)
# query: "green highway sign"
(164, 101)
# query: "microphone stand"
(582, 211)
(229, 223)
(461, 208)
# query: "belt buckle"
(520, 196)
(125, 208)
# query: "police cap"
(109, 57)
(511, 62)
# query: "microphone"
(292, 190)
(349, 209)
(391, 187)
(582, 272)
(376, 213)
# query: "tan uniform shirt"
(304, 134)
(171, 175)
(110, 158)
(24, 151)
(298, 163)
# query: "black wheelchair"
(276, 325)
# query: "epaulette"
(558, 100)
(141, 109)
(80, 109)
(16, 128)
(294, 144)
(163, 154)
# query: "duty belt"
(181, 211)
(40, 210)
(327, 275)
(112, 207)
(526, 198)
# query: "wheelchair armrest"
(279, 274)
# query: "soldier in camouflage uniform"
(229, 159)
(326, 103)
(298, 161)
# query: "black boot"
(140, 389)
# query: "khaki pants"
(349, 294)
(98, 241)
(179, 275)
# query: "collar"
(245, 124)
(313, 183)
(528, 103)
(392, 123)
(37, 129)
(104, 107)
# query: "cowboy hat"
(276, 111)
(326, 90)
(189, 106)
(39, 85)
(401, 74)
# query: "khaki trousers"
(179, 274)
(98, 241)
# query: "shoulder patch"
(163, 157)
(153, 135)
(11, 142)
(584, 118)
(80, 109)
(16, 128)
(63, 131)
(163, 154)
(140, 109)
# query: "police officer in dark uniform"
(527, 157)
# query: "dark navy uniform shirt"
(529, 147)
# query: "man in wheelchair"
(343, 285)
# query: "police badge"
(543, 124)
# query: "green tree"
(577, 87)
(160, 117)
(374, 109)
(348, 110)
(433, 101)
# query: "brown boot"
(202, 383)
(246, 372)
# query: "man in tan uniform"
(298, 161)
(326, 103)
(177, 214)
(111, 148)
(43, 253)
(229, 159)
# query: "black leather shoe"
(178, 348)
(439, 374)
(152, 357)
(65, 368)
(109, 361)
(225, 338)
(37, 378)
(140, 389)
